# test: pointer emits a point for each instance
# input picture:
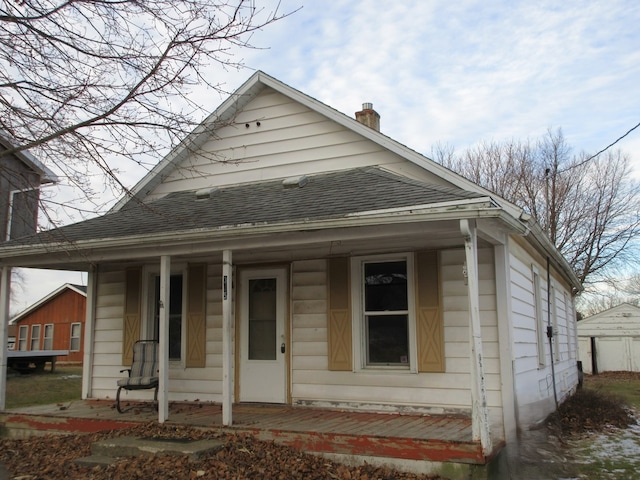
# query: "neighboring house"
(21, 176)
(610, 340)
(56, 322)
(287, 253)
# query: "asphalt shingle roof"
(330, 195)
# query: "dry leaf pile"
(243, 457)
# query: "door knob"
(282, 348)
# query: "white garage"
(610, 340)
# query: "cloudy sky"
(453, 73)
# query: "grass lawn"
(625, 385)
(42, 388)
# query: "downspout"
(479, 408)
(551, 333)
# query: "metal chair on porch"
(143, 373)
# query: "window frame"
(359, 325)
(72, 337)
(23, 338)
(47, 339)
(34, 327)
(148, 292)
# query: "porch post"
(163, 338)
(89, 331)
(5, 289)
(227, 338)
(480, 411)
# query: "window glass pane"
(385, 286)
(262, 319)
(387, 339)
(175, 315)
(75, 337)
(48, 337)
(35, 337)
(22, 338)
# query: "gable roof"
(46, 175)
(251, 89)
(113, 231)
(80, 289)
(614, 315)
(322, 197)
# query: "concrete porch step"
(107, 452)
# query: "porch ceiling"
(278, 247)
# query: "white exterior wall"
(313, 383)
(190, 384)
(291, 140)
(311, 380)
(533, 374)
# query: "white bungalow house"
(287, 253)
(610, 340)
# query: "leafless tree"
(589, 207)
(85, 84)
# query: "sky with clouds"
(453, 73)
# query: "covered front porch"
(371, 436)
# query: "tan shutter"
(196, 316)
(339, 324)
(429, 323)
(132, 316)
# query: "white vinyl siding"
(534, 381)
(190, 384)
(290, 140)
(313, 383)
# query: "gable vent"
(295, 182)
(205, 193)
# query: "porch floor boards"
(441, 438)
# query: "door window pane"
(262, 319)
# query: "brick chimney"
(369, 117)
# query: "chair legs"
(122, 410)
(118, 400)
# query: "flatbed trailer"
(25, 360)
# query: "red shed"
(56, 322)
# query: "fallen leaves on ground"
(592, 410)
(242, 457)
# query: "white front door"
(263, 343)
